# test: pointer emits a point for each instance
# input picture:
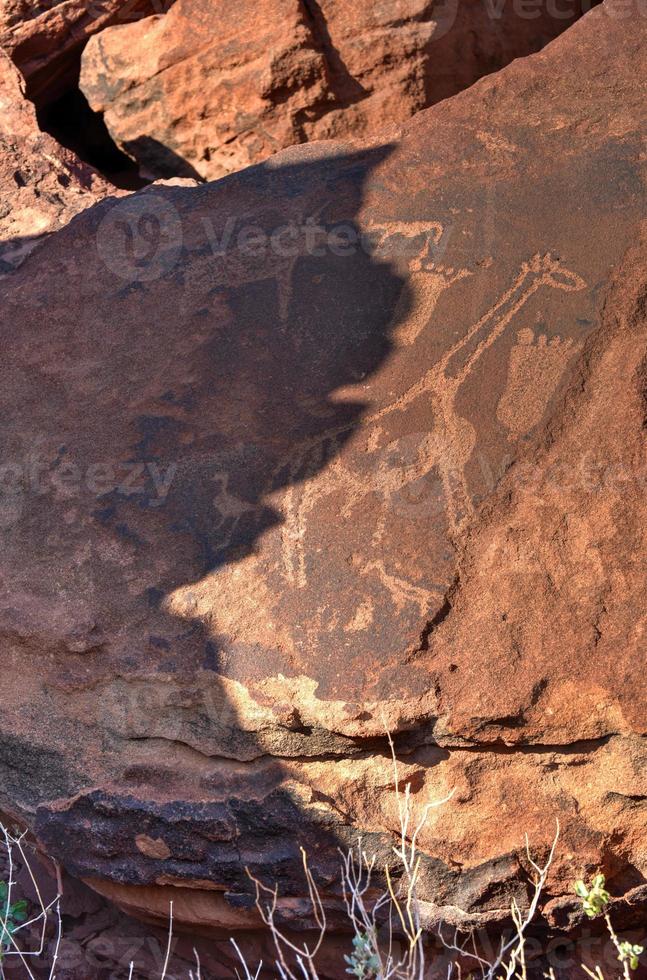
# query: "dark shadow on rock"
(343, 85)
(203, 379)
(73, 124)
(478, 39)
(159, 160)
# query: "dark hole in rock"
(71, 121)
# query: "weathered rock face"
(199, 91)
(270, 489)
(45, 37)
(42, 185)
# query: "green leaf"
(18, 911)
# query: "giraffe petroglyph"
(449, 444)
(453, 436)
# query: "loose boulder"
(45, 40)
(213, 86)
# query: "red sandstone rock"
(42, 185)
(274, 491)
(214, 86)
(45, 39)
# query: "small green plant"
(629, 952)
(363, 962)
(595, 899)
(11, 917)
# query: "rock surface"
(42, 185)
(45, 37)
(269, 490)
(202, 92)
